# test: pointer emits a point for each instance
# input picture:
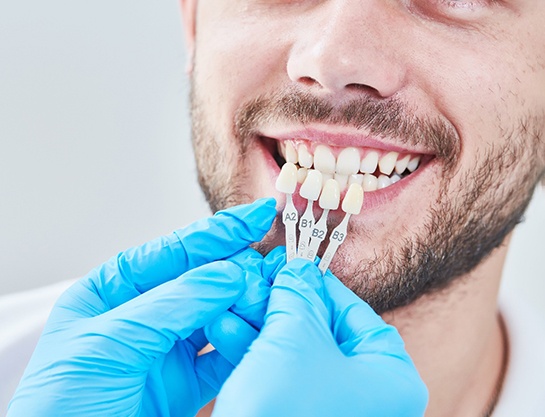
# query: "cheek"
(238, 59)
(484, 89)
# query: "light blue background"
(95, 154)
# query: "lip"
(342, 138)
(373, 200)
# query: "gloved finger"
(231, 336)
(139, 331)
(252, 305)
(140, 269)
(273, 263)
(296, 313)
(212, 370)
(356, 326)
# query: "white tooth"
(326, 177)
(291, 153)
(355, 179)
(348, 161)
(353, 200)
(395, 178)
(312, 186)
(401, 164)
(369, 163)
(331, 195)
(413, 163)
(383, 182)
(324, 160)
(370, 182)
(388, 162)
(342, 180)
(287, 179)
(305, 157)
(281, 146)
(301, 175)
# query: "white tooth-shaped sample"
(326, 177)
(348, 161)
(383, 182)
(342, 180)
(331, 195)
(369, 163)
(291, 153)
(324, 161)
(395, 178)
(287, 179)
(413, 163)
(305, 157)
(301, 175)
(355, 179)
(370, 183)
(353, 200)
(312, 186)
(388, 162)
(401, 164)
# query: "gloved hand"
(123, 341)
(322, 352)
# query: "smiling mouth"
(374, 169)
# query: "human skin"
(476, 66)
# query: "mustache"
(378, 117)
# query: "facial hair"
(467, 221)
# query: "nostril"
(308, 81)
(364, 88)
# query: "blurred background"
(95, 153)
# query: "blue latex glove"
(233, 331)
(123, 341)
(322, 352)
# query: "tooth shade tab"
(353, 200)
(312, 186)
(287, 179)
(348, 161)
(305, 157)
(324, 161)
(331, 195)
(369, 163)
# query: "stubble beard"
(470, 217)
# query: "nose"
(349, 45)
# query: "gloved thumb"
(296, 309)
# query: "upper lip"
(341, 137)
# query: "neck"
(456, 340)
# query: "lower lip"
(373, 199)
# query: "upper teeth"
(373, 169)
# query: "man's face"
(461, 84)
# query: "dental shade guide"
(310, 190)
(329, 200)
(351, 204)
(286, 183)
